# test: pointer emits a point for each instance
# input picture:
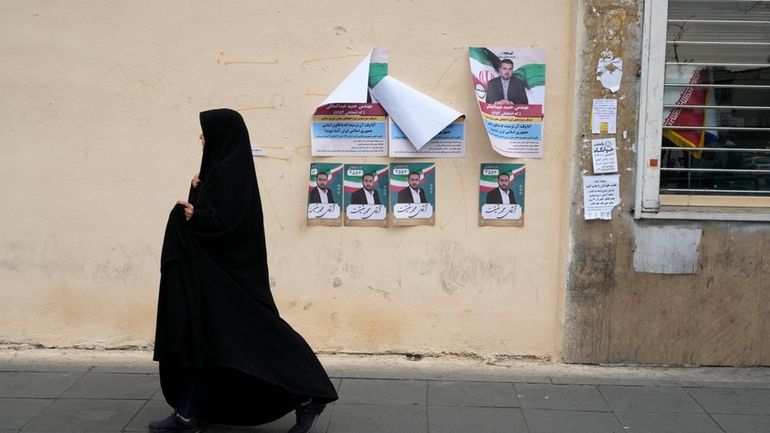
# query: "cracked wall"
(613, 314)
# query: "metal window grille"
(716, 99)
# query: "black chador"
(219, 335)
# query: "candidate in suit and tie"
(367, 194)
(506, 89)
(412, 194)
(321, 194)
(502, 194)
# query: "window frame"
(648, 202)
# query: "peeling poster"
(609, 71)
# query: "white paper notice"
(604, 116)
(600, 195)
(605, 155)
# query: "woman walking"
(225, 355)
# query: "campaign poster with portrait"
(510, 89)
(324, 194)
(501, 195)
(366, 195)
(413, 193)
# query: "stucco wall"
(718, 315)
(99, 139)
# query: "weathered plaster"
(716, 316)
(99, 139)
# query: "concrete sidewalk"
(118, 391)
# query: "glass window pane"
(716, 115)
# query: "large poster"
(324, 197)
(349, 121)
(413, 193)
(352, 120)
(501, 195)
(510, 90)
(366, 195)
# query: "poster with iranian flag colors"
(510, 89)
(350, 122)
(366, 194)
(413, 193)
(501, 194)
(324, 194)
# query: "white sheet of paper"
(354, 87)
(605, 155)
(604, 115)
(418, 115)
(600, 195)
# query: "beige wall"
(99, 138)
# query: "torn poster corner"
(609, 71)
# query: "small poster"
(604, 155)
(501, 195)
(510, 91)
(324, 194)
(413, 193)
(366, 195)
(449, 143)
(604, 116)
(600, 195)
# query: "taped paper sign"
(604, 116)
(600, 195)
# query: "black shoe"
(174, 424)
(307, 414)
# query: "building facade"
(101, 102)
